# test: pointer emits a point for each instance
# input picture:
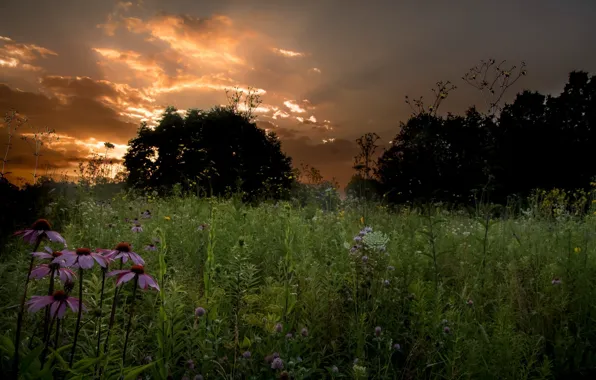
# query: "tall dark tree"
(221, 149)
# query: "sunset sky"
(327, 70)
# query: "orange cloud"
(288, 53)
(21, 56)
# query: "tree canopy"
(219, 150)
(537, 141)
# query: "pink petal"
(39, 302)
(73, 303)
(40, 272)
(54, 308)
(49, 250)
(117, 272)
(151, 282)
(85, 261)
(136, 258)
(62, 309)
(68, 259)
(42, 255)
(66, 275)
(142, 282)
(102, 261)
(55, 236)
(125, 278)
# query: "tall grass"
(450, 295)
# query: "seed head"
(83, 251)
(59, 295)
(199, 311)
(123, 247)
(41, 225)
(68, 286)
(56, 254)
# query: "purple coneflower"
(446, 330)
(48, 254)
(357, 238)
(397, 347)
(144, 280)
(289, 336)
(246, 355)
(146, 214)
(82, 258)
(365, 259)
(190, 364)
(277, 363)
(57, 268)
(199, 311)
(123, 251)
(39, 230)
(470, 302)
(57, 302)
(137, 228)
(556, 281)
(150, 247)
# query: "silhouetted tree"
(220, 149)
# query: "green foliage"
(453, 295)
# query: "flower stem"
(103, 283)
(112, 314)
(17, 344)
(46, 321)
(132, 310)
(46, 338)
(78, 328)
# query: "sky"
(327, 71)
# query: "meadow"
(280, 291)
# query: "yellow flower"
(167, 218)
(593, 200)
(341, 214)
(362, 220)
(577, 250)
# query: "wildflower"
(48, 254)
(202, 227)
(446, 330)
(39, 230)
(397, 347)
(386, 282)
(146, 214)
(83, 258)
(57, 302)
(199, 312)
(334, 369)
(150, 247)
(289, 336)
(391, 268)
(123, 251)
(144, 280)
(137, 228)
(275, 355)
(246, 355)
(304, 332)
(278, 327)
(277, 363)
(190, 364)
(378, 331)
(365, 259)
(58, 268)
(367, 229)
(358, 238)
(556, 281)
(577, 249)
(167, 218)
(470, 302)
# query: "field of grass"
(304, 294)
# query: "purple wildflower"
(150, 247)
(470, 302)
(378, 331)
(354, 249)
(246, 355)
(367, 230)
(358, 238)
(278, 327)
(199, 311)
(386, 282)
(41, 229)
(190, 364)
(275, 355)
(123, 251)
(83, 258)
(48, 254)
(57, 302)
(202, 227)
(146, 214)
(277, 363)
(58, 268)
(137, 228)
(556, 281)
(397, 347)
(304, 332)
(446, 330)
(365, 259)
(289, 336)
(144, 280)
